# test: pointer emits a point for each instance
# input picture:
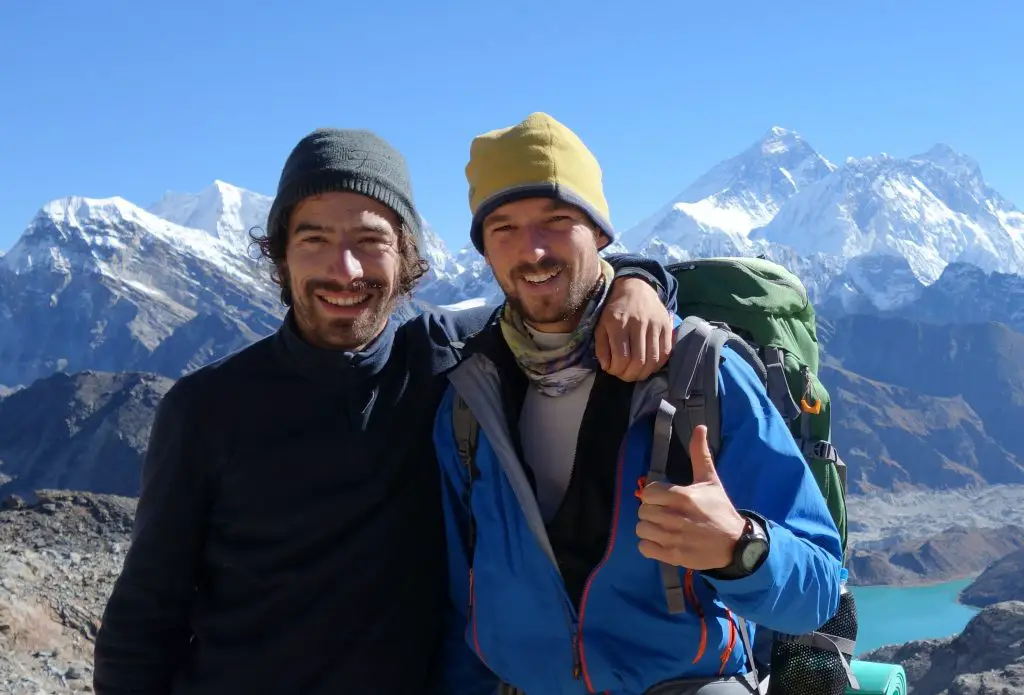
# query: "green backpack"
(767, 307)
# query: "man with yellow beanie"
(561, 555)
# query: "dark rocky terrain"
(1001, 581)
(954, 553)
(918, 405)
(987, 658)
(59, 558)
(86, 432)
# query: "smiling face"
(342, 262)
(544, 255)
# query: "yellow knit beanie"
(538, 157)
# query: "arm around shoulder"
(796, 588)
(145, 627)
(650, 270)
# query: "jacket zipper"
(579, 672)
(471, 623)
(577, 662)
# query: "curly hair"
(273, 246)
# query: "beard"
(349, 333)
(567, 301)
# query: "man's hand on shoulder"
(694, 526)
(633, 336)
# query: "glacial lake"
(890, 615)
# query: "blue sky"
(132, 99)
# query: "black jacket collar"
(333, 367)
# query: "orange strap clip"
(810, 409)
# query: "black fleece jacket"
(289, 536)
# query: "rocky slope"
(921, 402)
(85, 432)
(987, 658)
(954, 553)
(964, 293)
(59, 559)
(1001, 581)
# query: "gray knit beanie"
(332, 159)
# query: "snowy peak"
(780, 158)
(222, 210)
(945, 157)
(76, 212)
(780, 143)
(75, 231)
(718, 211)
(114, 238)
(929, 212)
(436, 252)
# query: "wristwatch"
(750, 551)
(751, 548)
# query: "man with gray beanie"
(289, 532)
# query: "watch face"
(752, 553)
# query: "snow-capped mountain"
(870, 283)
(931, 209)
(869, 234)
(964, 293)
(103, 284)
(227, 212)
(717, 212)
(106, 284)
(445, 282)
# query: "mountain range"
(106, 284)
(915, 264)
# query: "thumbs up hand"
(693, 526)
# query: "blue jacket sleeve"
(462, 672)
(796, 588)
(632, 265)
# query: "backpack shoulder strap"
(467, 432)
(466, 429)
(778, 387)
(693, 376)
(692, 400)
(688, 403)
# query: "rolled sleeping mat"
(878, 679)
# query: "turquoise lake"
(888, 615)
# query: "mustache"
(364, 285)
(548, 264)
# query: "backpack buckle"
(824, 451)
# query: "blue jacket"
(513, 611)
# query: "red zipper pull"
(577, 668)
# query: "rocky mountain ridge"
(987, 658)
(953, 553)
(86, 432)
(1003, 580)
